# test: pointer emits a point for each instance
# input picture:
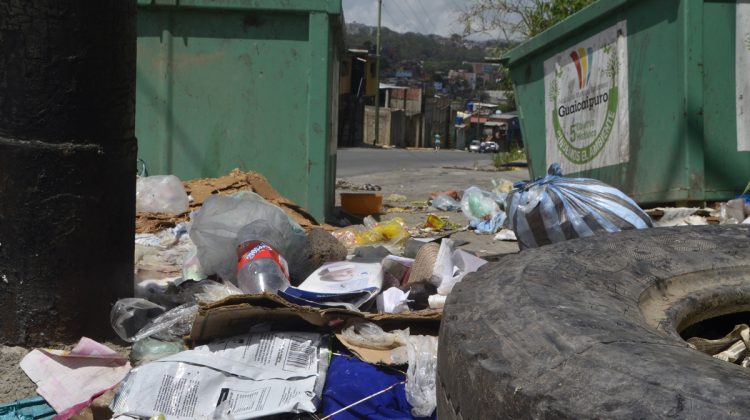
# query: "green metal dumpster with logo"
(249, 84)
(652, 97)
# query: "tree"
(517, 19)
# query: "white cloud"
(421, 16)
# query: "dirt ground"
(15, 385)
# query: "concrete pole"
(67, 167)
(377, 77)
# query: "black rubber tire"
(589, 329)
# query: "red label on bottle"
(260, 251)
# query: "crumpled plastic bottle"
(261, 267)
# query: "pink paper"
(69, 381)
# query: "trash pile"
(242, 312)
(732, 348)
(548, 210)
(245, 307)
(554, 209)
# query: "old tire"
(589, 328)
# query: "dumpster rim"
(333, 7)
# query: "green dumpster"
(652, 97)
(249, 84)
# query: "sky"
(422, 16)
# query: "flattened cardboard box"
(237, 314)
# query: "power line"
(414, 13)
(389, 14)
(427, 15)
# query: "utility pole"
(377, 77)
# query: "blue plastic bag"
(349, 380)
(554, 209)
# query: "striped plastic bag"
(554, 209)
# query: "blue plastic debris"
(350, 380)
(35, 408)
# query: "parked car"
(489, 146)
(474, 146)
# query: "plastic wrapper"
(554, 209)
(171, 325)
(371, 336)
(483, 209)
(191, 266)
(149, 349)
(445, 203)
(130, 315)
(160, 193)
(421, 376)
(177, 291)
(478, 205)
(392, 232)
(215, 227)
(502, 186)
(347, 236)
(732, 212)
(209, 291)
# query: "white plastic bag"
(445, 203)
(421, 376)
(215, 226)
(160, 193)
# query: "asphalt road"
(363, 161)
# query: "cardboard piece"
(237, 314)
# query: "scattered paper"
(343, 284)
(69, 381)
(393, 301)
(452, 265)
(242, 377)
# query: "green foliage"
(548, 13)
(514, 155)
(437, 53)
(517, 19)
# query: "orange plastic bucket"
(361, 204)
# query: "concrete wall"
(393, 127)
(407, 99)
(436, 121)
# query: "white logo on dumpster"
(586, 103)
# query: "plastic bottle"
(261, 267)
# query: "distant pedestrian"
(437, 142)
